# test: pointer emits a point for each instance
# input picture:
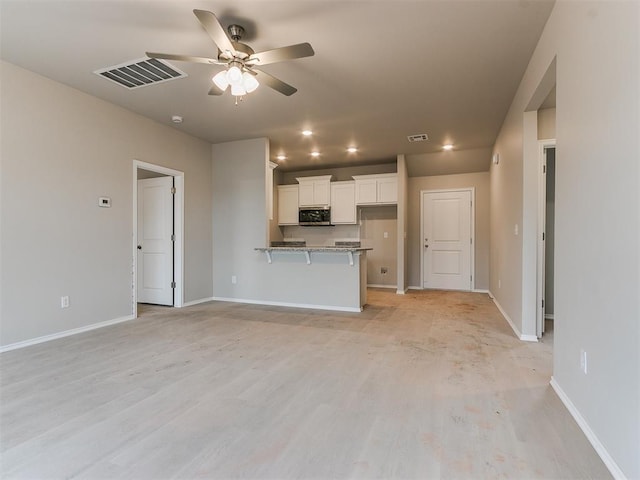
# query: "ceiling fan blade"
(214, 90)
(291, 52)
(213, 27)
(185, 58)
(273, 82)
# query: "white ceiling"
(382, 69)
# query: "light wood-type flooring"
(424, 385)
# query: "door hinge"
(543, 303)
(543, 236)
(173, 190)
(471, 241)
(173, 284)
(173, 237)
(544, 169)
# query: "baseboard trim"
(548, 316)
(414, 288)
(401, 292)
(196, 302)
(287, 304)
(379, 285)
(609, 462)
(480, 290)
(66, 333)
(519, 334)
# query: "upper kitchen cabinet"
(381, 189)
(314, 191)
(287, 204)
(343, 203)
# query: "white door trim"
(472, 191)
(542, 212)
(178, 265)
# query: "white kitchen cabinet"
(287, 204)
(380, 189)
(343, 203)
(387, 191)
(314, 191)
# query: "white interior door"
(446, 240)
(155, 245)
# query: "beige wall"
(597, 217)
(546, 123)
(379, 231)
(62, 149)
(239, 226)
(479, 181)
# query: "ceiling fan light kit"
(241, 82)
(242, 73)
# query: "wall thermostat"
(496, 158)
(104, 202)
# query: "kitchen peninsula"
(327, 277)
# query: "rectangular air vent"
(141, 73)
(421, 137)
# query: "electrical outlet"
(384, 270)
(64, 302)
(583, 361)
(234, 279)
(385, 234)
(515, 229)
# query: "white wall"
(61, 150)
(597, 261)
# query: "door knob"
(139, 247)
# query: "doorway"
(546, 235)
(447, 230)
(158, 233)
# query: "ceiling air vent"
(421, 137)
(141, 73)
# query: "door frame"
(472, 191)
(542, 214)
(178, 220)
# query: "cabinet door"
(343, 203)
(366, 191)
(288, 205)
(388, 190)
(305, 196)
(321, 193)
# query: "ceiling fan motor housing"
(235, 32)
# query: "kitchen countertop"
(311, 248)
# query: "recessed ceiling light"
(176, 119)
(448, 146)
(281, 157)
(352, 149)
(307, 133)
(315, 154)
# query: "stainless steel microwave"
(314, 216)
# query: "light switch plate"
(104, 202)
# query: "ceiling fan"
(242, 64)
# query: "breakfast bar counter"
(350, 251)
(327, 277)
